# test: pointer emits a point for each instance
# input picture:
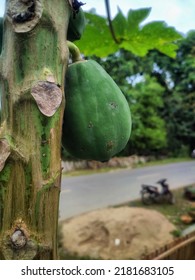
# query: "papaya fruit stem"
(107, 4)
(74, 51)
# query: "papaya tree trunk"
(32, 69)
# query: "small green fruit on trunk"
(76, 25)
(97, 119)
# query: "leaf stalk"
(110, 22)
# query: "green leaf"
(97, 38)
(159, 31)
(134, 18)
(161, 37)
(154, 35)
(119, 24)
(136, 46)
(168, 49)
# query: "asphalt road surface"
(81, 194)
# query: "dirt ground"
(116, 233)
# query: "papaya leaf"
(131, 34)
(148, 38)
(165, 42)
(159, 31)
(97, 38)
(135, 18)
(119, 25)
(168, 49)
(135, 46)
(125, 27)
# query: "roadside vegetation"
(174, 212)
(109, 169)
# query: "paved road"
(85, 193)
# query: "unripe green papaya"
(76, 25)
(97, 119)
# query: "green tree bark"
(32, 70)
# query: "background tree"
(149, 132)
(176, 76)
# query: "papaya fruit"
(76, 25)
(97, 118)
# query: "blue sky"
(177, 13)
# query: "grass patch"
(81, 172)
(171, 212)
(163, 161)
(88, 171)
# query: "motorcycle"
(151, 194)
